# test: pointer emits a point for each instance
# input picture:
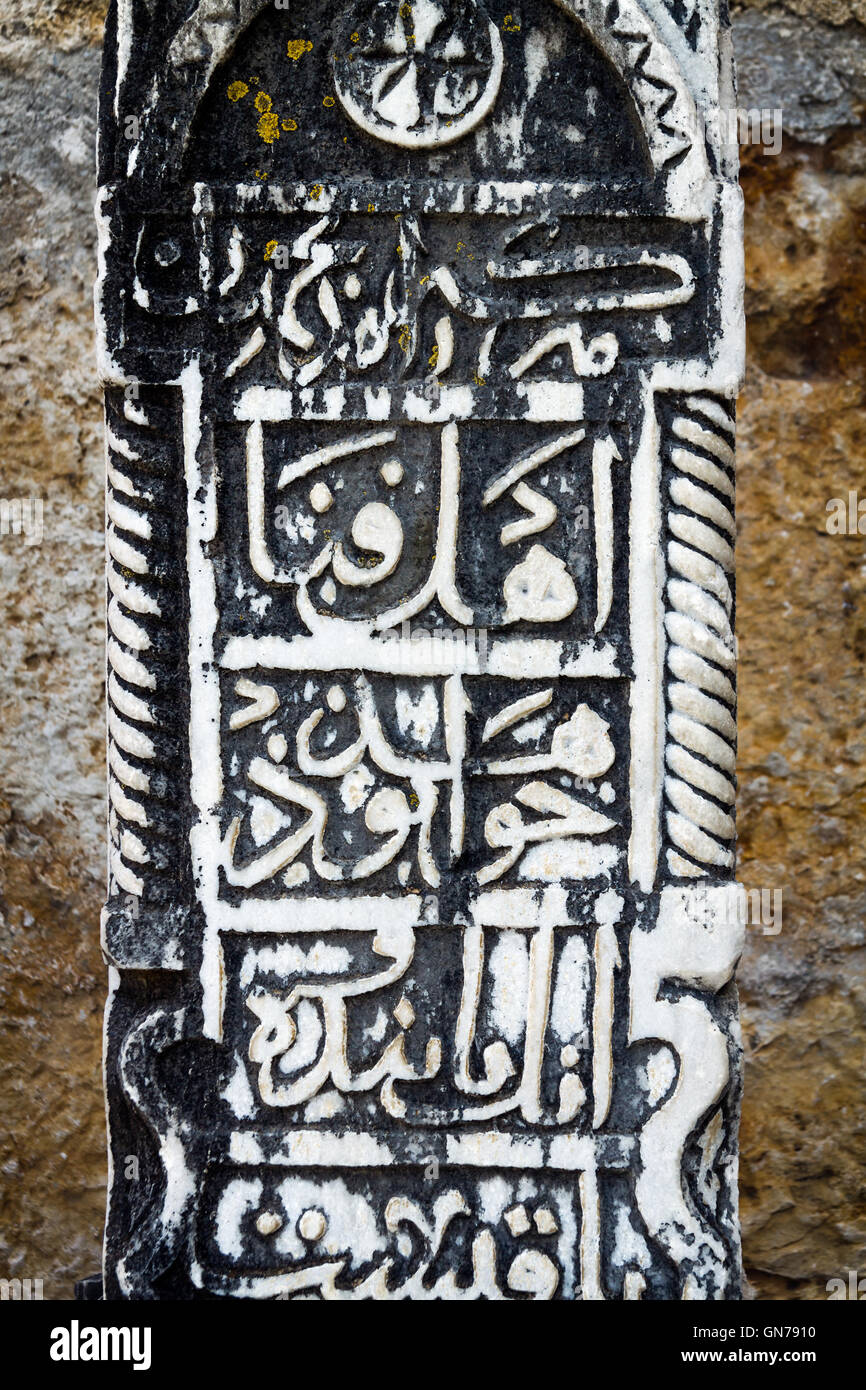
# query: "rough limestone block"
(420, 326)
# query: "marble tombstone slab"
(420, 326)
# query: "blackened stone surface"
(420, 333)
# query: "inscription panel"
(420, 330)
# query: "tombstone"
(420, 326)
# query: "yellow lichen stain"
(316, 192)
(511, 25)
(270, 249)
(263, 102)
(406, 11)
(269, 127)
(355, 38)
(461, 246)
(371, 207)
(289, 124)
(479, 380)
(424, 280)
(296, 48)
(433, 359)
(405, 338)
(400, 252)
(237, 90)
(328, 101)
(259, 174)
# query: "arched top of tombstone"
(164, 82)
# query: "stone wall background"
(801, 622)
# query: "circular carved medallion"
(418, 74)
